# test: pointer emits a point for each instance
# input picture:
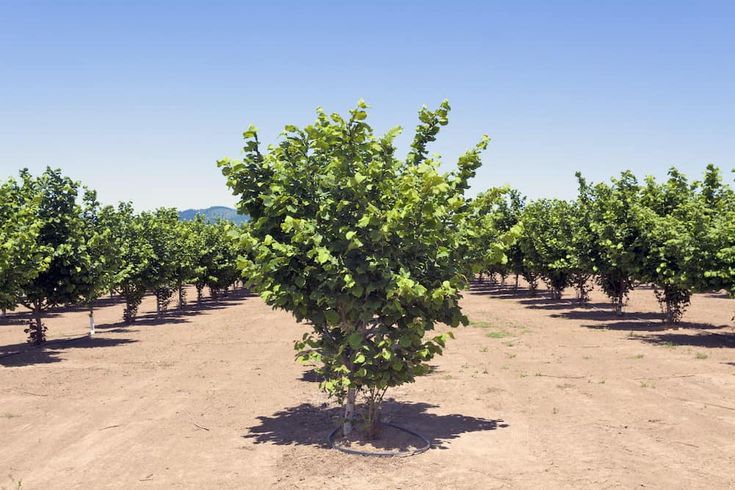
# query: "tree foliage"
(366, 247)
(547, 242)
(614, 235)
(22, 256)
(61, 226)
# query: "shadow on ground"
(176, 315)
(309, 425)
(17, 355)
(707, 339)
(499, 291)
(606, 315)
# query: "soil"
(535, 393)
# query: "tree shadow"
(311, 376)
(177, 315)
(24, 316)
(561, 304)
(717, 294)
(309, 425)
(647, 326)
(594, 313)
(147, 321)
(498, 291)
(24, 354)
(710, 340)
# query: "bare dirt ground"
(536, 393)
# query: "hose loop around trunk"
(383, 454)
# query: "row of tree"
(372, 250)
(677, 235)
(59, 246)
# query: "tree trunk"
(5, 313)
(515, 288)
(182, 300)
(37, 333)
(158, 306)
(372, 419)
(619, 307)
(349, 411)
(91, 319)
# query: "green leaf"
(332, 317)
(355, 340)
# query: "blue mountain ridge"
(214, 213)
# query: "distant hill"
(213, 214)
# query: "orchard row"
(61, 247)
(676, 235)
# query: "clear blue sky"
(139, 101)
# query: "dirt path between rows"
(535, 393)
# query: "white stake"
(91, 322)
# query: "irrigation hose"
(383, 454)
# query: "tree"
(161, 229)
(22, 256)
(61, 232)
(134, 253)
(201, 246)
(485, 234)
(671, 220)
(582, 250)
(184, 256)
(363, 246)
(100, 251)
(508, 217)
(546, 242)
(222, 270)
(719, 257)
(216, 252)
(614, 235)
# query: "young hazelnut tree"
(62, 280)
(365, 247)
(615, 247)
(547, 242)
(22, 256)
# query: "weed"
(498, 334)
(700, 355)
(480, 324)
